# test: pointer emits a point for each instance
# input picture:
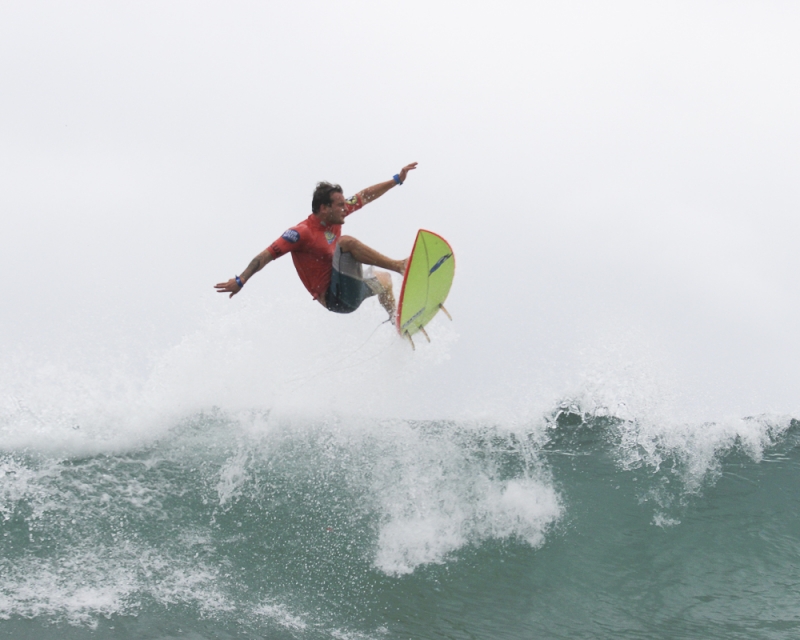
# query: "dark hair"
(322, 195)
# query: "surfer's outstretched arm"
(234, 285)
(376, 191)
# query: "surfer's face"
(335, 212)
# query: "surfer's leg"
(366, 255)
(349, 287)
(385, 295)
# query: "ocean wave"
(258, 514)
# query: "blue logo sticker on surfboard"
(440, 262)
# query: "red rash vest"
(312, 244)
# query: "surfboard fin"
(425, 333)
(408, 335)
(441, 306)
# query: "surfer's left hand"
(404, 171)
(231, 286)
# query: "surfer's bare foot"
(398, 266)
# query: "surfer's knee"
(346, 243)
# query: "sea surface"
(262, 524)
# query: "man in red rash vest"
(328, 263)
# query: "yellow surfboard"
(426, 284)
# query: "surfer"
(328, 263)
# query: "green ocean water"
(254, 525)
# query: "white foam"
(421, 528)
(232, 476)
(280, 614)
(435, 491)
(663, 521)
(17, 481)
(432, 486)
(81, 403)
(697, 450)
(341, 634)
(94, 580)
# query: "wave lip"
(693, 451)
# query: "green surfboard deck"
(426, 283)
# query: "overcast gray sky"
(619, 181)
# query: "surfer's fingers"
(404, 171)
